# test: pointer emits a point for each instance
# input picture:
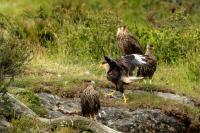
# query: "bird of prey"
(127, 43)
(117, 70)
(90, 103)
(148, 70)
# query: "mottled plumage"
(90, 103)
(127, 43)
(148, 71)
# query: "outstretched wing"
(135, 60)
(112, 62)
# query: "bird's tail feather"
(130, 79)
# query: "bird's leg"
(150, 81)
(90, 116)
(125, 99)
(145, 81)
(95, 118)
(111, 94)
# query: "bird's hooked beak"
(105, 66)
(93, 82)
(101, 65)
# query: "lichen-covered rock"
(57, 106)
(4, 125)
(180, 99)
(121, 119)
(140, 121)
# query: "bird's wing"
(135, 43)
(112, 62)
(133, 39)
(135, 59)
(129, 79)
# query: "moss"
(30, 99)
(25, 124)
(70, 39)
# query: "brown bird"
(127, 43)
(148, 70)
(117, 70)
(90, 103)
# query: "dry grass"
(65, 130)
(45, 73)
(60, 74)
(66, 81)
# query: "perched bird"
(117, 70)
(148, 70)
(127, 43)
(90, 103)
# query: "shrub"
(174, 40)
(15, 51)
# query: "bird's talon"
(125, 99)
(110, 94)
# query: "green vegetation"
(30, 99)
(24, 124)
(153, 101)
(15, 51)
(67, 39)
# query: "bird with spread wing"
(128, 44)
(118, 70)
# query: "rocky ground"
(121, 118)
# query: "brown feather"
(118, 70)
(90, 103)
(127, 43)
(148, 71)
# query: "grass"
(153, 101)
(66, 130)
(30, 99)
(11, 8)
(57, 79)
(70, 39)
(68, 76)
(66, 80)
(24, 124)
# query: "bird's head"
(87, 83)
(105, 64)
(121, 30)
(150, 50)
(150, 47)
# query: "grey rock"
(121, 119)
(140, 121)
(177, 98)
(4, 125)
(57, 106)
